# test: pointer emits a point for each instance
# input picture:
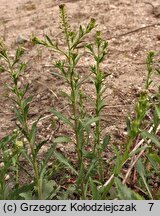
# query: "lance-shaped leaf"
(63, 160)
(62, 117)
(152, 137)
(125, 193)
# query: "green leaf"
(27, 101)
(25, 154)
(7, 139)
(50, 189)
(90, 121)
(18, 115)
(91, 25)
(106, 141)
(19, 53)
(154, 160)
(125, 193)
(25, 90)
(62, 139)
(101, 105)
(39, 41)
(141, 170)
(105, 44)
(22, 131)
(39, 145)
(95, 192)
(152, 137)
(129, 125)
(4, 55)
(138, 150)
(49, 40)
(81, 174)
(27, 195)
(26, 108)
(90, 47)
(155, 157)
(118, 163)
(62, 117)
(157, 109)
(57, 75)
(46, 160)
(24, 191)
(2, 69)
(64, 94)
(63, 160)
(91, 170)
(22, 68)
(89, 155)
(33, 132)
(81, 32)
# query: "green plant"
(133, 166)
(40, 185)
(7, 166)
(143, 143)
(80, 121)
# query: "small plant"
(81, 121)
(21, 101)
(9, 156)
(133, 167)
(143, 144)
(99, 52)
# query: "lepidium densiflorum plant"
(133, 170)
(25, 141)
(98, 52)
(142, 148)
(80, 121)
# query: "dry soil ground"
(131, 28)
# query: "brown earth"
(132, 30)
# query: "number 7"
(151, 205)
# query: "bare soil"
(132, 30)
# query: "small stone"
(29, 81)
(7, 177)
(19, 84)
(39, 124)
(1, 164)
(49, 164)
(125, 133)
(27, 75)
(21, 40)
(38, 96)
(158, 36)
(45, 97)
(55, 118)
(25, 139)
(93, 124)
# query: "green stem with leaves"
(21, 109)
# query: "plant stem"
(97, 145)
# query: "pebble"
(7, 177)
(20, 40)
(19, 84)
(25, 139)
(27, 75)
(158, 36)
(39, 124)
(38, 96)
(93, 125)
(44, 97)
(1, 164)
